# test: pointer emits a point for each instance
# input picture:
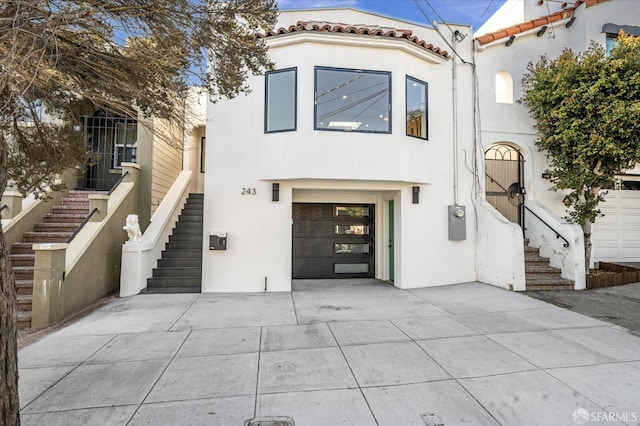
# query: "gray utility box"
(218, 241)
(457, 223)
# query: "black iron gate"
(113, 140)
(504, 172)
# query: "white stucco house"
(381, 148)
(518, 33)
(342, 162)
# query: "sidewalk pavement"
(356, 352)
(619, 305)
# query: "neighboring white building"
(520, 32)
(341, 162)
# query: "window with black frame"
(417, 108)
(352, 100)
(280, 100)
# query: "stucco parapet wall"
(85, 237)
(356, 40)
(50, 246)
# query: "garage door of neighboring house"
(333, 240)
(616, 236)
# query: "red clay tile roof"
(566, 12)
(370, 30)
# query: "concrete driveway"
(356, 352)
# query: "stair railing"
(113, 188)
(566, 242)
(83, 223)
(4, 206)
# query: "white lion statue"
(133, 228)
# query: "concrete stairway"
(180, 267)
(539, 275)
(57, 227)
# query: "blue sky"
(468, 12)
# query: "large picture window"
(352, 100)
(280, 100)
(417, 103)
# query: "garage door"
(616, 236)
(333, 240)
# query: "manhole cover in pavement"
(270, 421)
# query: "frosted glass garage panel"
(351, 268)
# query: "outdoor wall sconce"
(571, 21)
(275, 192)
(510, 41)
(416, 194)
(542, 30)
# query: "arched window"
(504, 88)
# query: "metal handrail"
(4, 206)
(84, 222)
(566, 242)
(113, 188)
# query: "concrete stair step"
(182, 254)
(25, 302)
(177, 272)
(197, 245)
(541, 269)
(173, 282)
(536, 260)
(185, 238)
(70, 210)
(22, 248)
(538, 284)
(24, 320)
(75, 202)
(22, 259)
(196, 195)
(46, 237)
(24, 287)
(171, 290)
(190, 219)
(64, 218)
(23, 272)
(191, 211)
(55, 227)
(182, 229)
(84, 193)
(181, 262)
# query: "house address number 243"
(248, 191)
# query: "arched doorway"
(504, 175)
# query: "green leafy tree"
(586, 107)
(71, 58)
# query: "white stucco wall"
(510, 123)
(321, 166)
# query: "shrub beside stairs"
(180, 267)
(57, 227)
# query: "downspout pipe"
(454, 41)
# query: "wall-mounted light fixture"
(510, 41)
(571, 21)
(416, 194)
(541, 31)
(275, 192)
